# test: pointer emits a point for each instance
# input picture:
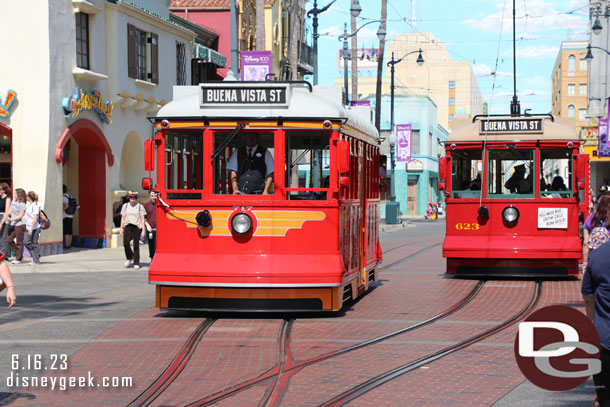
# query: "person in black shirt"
(251, 168)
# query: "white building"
(85, 75)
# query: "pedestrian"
(132, 227)
(600, 218)
(5, 210)
(596, 294)
(151, 223)
(32, 226)
(17, 225)
(68, 217)
(6, 281)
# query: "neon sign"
(4, 107)
(87, 100)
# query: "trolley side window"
(183, 160)
(466, 169)
(511, 173)
(555, 173)
(307, 165)
(244, 162)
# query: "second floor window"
(571, 89)
(142, 54)
(571, 63)
(583, 89)
(82, 40)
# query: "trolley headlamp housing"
(241, 223)
(510, 214)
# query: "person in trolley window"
(251, 167)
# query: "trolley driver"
(251, 168)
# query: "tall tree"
(260, 25)
(384, 14)
(354, 61)
(293, 46)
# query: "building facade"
(569, 79)
(94, 71)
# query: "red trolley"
(310, 241)
(514, 187)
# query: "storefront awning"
(209, 55)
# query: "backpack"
(44, 220)
(598, 236)
(72, 205)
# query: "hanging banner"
(603, 149)
(255, 65)
(403, 142)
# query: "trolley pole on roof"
(234, 49)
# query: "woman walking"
(132, 227)
(17, 225)
(5, 210)
(32, 226)
(599, 218)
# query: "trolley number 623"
(467, 226)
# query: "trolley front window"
(510, 173)
(466, 169)
(307, 165)
(555, 173)
(183, 160)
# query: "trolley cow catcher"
(268, 198)
(514, 188)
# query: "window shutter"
(154, 58)
(132, 70)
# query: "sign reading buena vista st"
(235, 95)
(509, 125)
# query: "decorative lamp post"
(315, 11)
(589, 56)
(392, 208)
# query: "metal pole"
(345, 63)
(234, 48)
(315, 41)
(392, 162)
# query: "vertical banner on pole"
(255, 65)
(603, 147)
(403, 142)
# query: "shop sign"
(6, 106)
(415, 166)
(255, 65)
(403, 142)
(88, 100)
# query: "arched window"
(571, 63)
(571, 111)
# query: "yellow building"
(450, 84)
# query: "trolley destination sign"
(521, 125)
(243, 95)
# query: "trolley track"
(409, 256)
(379, 380)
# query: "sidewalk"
(78, 260)
(408, 221)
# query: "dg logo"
(557, 348)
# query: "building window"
(415, 142)
(583, 64)
(571, 111)
(451, 84)
(451, 101)
(571, 63)
(142, 54)
(583, 89)
(571, 89)
(581, 114)
(180, 63)
(82, 40)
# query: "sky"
(479, 31)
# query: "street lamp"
(380, 34)
(589, 56)
(392, 208)
(315, 11)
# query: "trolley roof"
(509, 128)
(299, 104)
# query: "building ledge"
(144, 84)
(87, 75)
(83, 6)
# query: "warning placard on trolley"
(520, 125)
(244, 94)
(552, 218)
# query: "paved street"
(88, 306)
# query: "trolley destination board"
(520, 125)
(244, 94)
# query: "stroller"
(431, 211)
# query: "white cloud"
(534, 52)
(539, 80)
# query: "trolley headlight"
(241, 223)
(510, 214)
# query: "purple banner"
(255, 65)
(403, 142)
(603, 148)
(360, 102)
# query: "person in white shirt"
(32, 227)
(132, 227)
(251, 168)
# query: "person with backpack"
(32, 225)
(70, 207)
(132, 227)
(595, 228)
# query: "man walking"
(151, 223)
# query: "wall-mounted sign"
(255, 65)
(6, 106)
(511, 126)
(367, 59)
(552, 218)
(415, 166)
(240, 94)
(403, 142)
(87, 100)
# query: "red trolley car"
(513, 188)
(309, 241)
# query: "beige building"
(570, 82)
(450, 84)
